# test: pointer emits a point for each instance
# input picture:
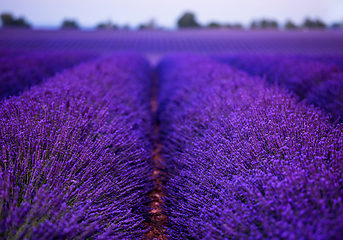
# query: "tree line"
(187, 20)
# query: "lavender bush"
(335, 60)
(19, 71)
(301, 75)
(74, 154)
(7, 53)
(329, 96)
(245, 159)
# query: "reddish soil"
(158, 220)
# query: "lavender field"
(190, 134)
(157, 42)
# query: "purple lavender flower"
(246, 160)
(74, 154)
(21, 70)
(329, 96)
(305, 76)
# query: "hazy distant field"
(161, 42)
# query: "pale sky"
(166, 12)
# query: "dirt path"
(158, 220)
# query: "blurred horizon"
(89, 13)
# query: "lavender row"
(21, 70)
(245, 159)
(7, 53)
(336, 60)
(74, 154)
(311, 78)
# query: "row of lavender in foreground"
(74, 154)
(317, 79)
(245, 160)
(21, 70)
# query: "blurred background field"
(154, 28)
(159, 42)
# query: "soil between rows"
(158, 219)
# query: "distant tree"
(234, 26)
(214, 25)
(290, 25)
(106, 25)
(254, 25)
(308, 23)
(271, 24)
(320, 24)
(101, 26)
(264, 24)
(142, 26)
(150, 25)
(69, 24)
(313, 24)
(126, 27)
(237, 26)
(6, 19)
(337, 25)
(188, 21)
(9, 21)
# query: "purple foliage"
(304, 76)
(245, 159)
(329, 96)
(19, 71)
(336, 60)
(74, 154)
(8, 53)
